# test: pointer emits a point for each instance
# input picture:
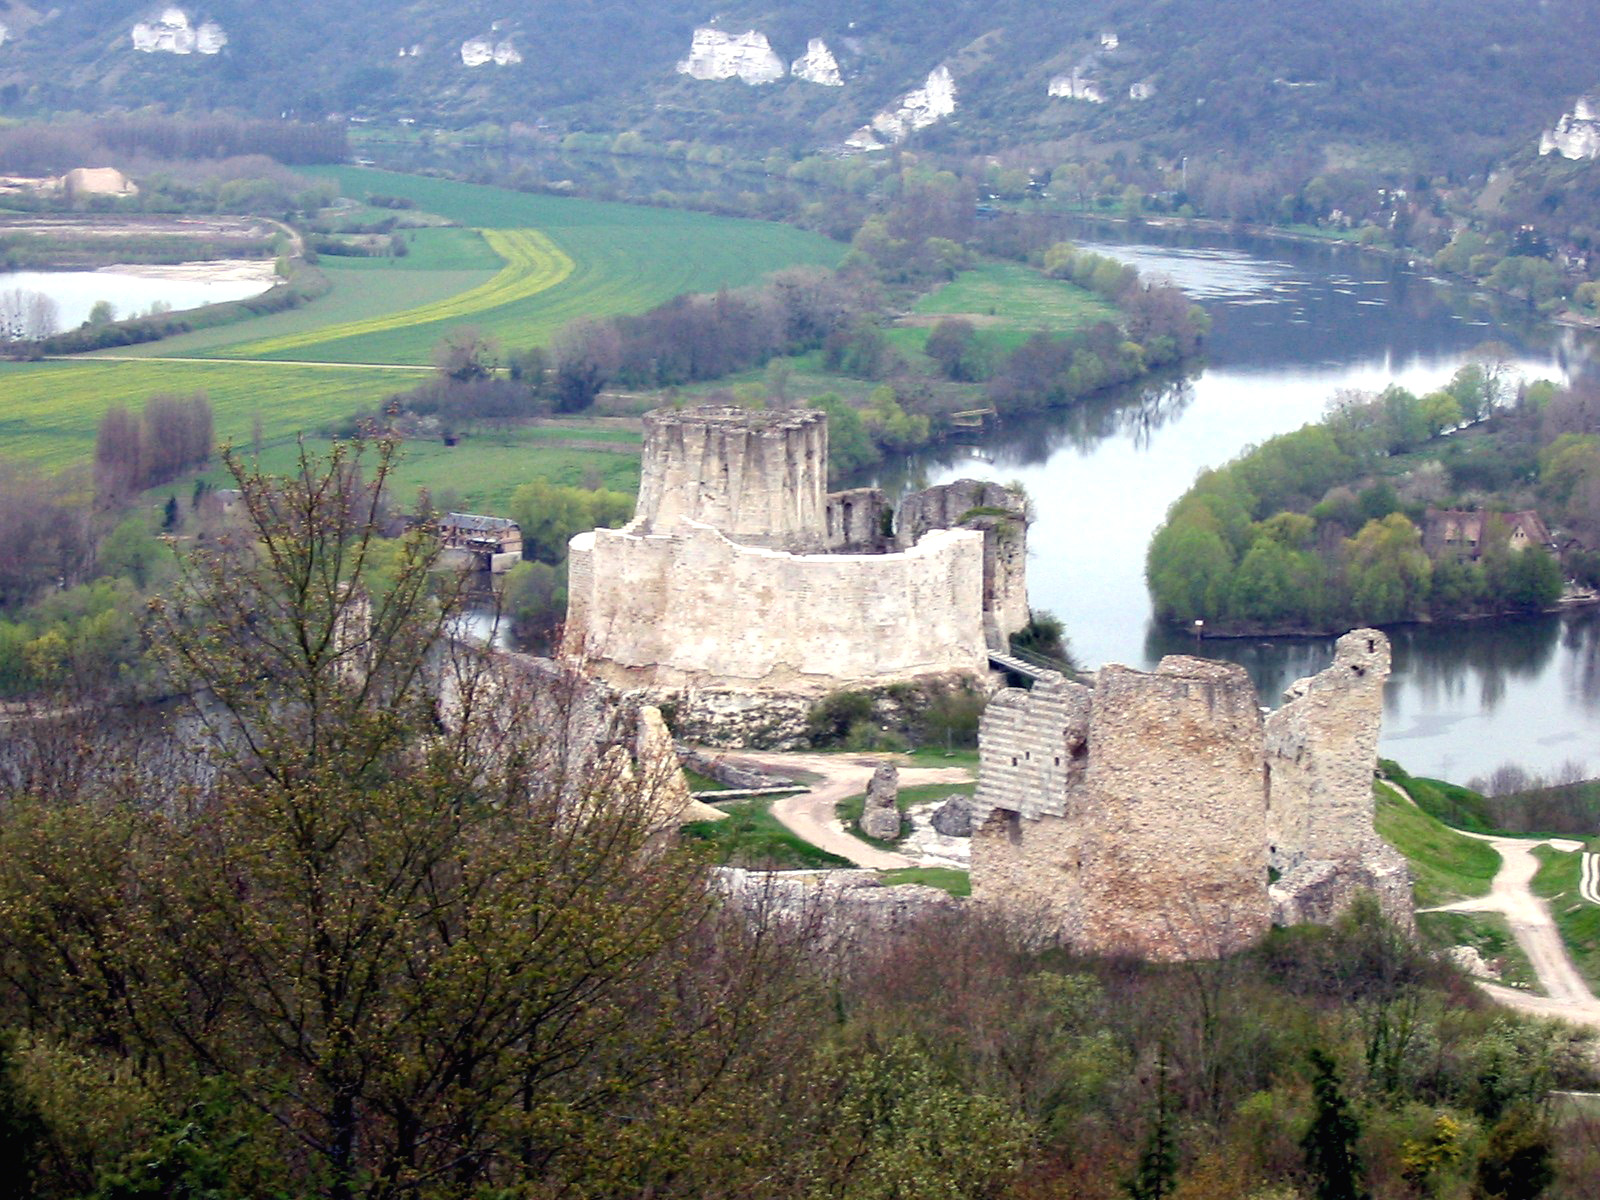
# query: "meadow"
(51, 410)
(1007, 302)
(561, 258)
(517, 266)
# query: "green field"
(624, 259)
(1007, 302)
(50, 410)
(481, 472)
(520, 268)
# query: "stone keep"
(1139, 816)
(740, 574)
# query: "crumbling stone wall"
(1129, 818)
(693, 608)
(855, 522)
(1000, 514)
(1321, 751)
(739, 574)
(1133, 817)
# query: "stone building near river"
(742, 586)
(1140, 815)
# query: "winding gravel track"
(810, 814)
(1566, 994)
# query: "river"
(1291, 325)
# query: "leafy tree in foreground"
(417, 921)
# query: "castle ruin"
(739, 575)
(1140, 816)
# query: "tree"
(1516, 1161)
(414, 915)
(953, 344)
(466, 355)
(1330, 1142)
(1156, 1175)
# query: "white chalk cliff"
(817, 65)
(747, 56)
(933, 101)
(1076, 87)
(173, 33)
(1577, 134)
(480, 52)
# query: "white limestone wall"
(690, 608)
(759, 477)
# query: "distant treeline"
(134, 451)
(59, 146)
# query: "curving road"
(1566, 994)
(810, 814)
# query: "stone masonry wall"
(1005, 544)
(1138, 816)
(694, 608)
(1129, 818)
(1321, 747)
(759, 477)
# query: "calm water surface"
(129, 292)
(1291, 325)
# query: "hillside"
(1447, 87)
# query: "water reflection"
(1291, 325)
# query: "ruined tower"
(759, 478)
(1140, 815)
(1129, 818)
(740, 577)
(1321, 750)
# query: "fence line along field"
(625, 258)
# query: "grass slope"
(533, 264)
(1007, 303)
(1448, 865)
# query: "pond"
(132, 290)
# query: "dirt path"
(810, 814)
(94, 356)
(1566, 993)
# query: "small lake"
(132, 290)
(1291, 325)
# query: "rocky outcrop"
(817, 65)
(1577, 133)
(953, 818)
(484, 51)
(1074, 86)
(748, 57)
(880, 815)
(173, 33)
(927, 105)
